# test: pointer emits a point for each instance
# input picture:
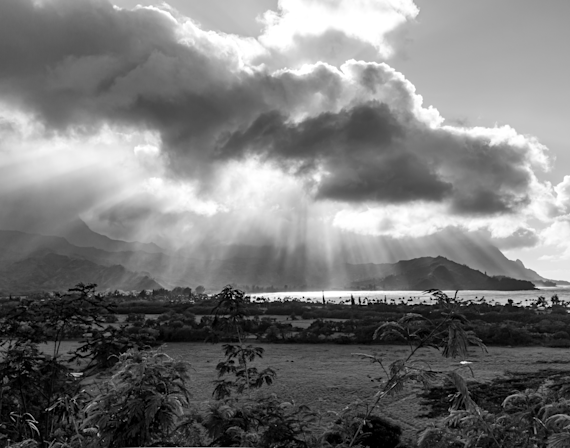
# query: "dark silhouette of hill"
(469, 249)
(46, 271)
(424, 273)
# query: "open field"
(328, 377)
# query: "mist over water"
(522, 298)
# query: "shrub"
(142, 401)
(561, 335)
(559, 343)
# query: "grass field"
(328, 377)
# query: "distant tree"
(200, 290)
(160, 292)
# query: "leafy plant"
(141, 403)
(245, 376)
(260, 422)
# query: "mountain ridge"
(80, 234)
(47, 271)
(241, 264)
(420, 274)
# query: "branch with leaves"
(447, 335)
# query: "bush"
(504, 335)
(377, 432)
(561, 335)
(559, 343)
(142, 401)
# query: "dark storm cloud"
(356, 133)
(359, 151)
(77, 65)
(488, 178)
(100, 43)
(370, 153)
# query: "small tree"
(230, 313)
(238, 418)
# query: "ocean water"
(521, 298)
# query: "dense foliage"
(117, 390)
(545, 322)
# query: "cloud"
(562, 197)
(558, 235)
(332, 31)
(357, 153)
(374, 153)
(225, 110)
(520, 238)
(47, 181)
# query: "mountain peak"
(80, 234)
(427, 273)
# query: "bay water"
(520, 298)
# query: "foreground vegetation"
(117, 390)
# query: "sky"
(264, 121)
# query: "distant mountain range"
(79, 234)
(30, 262)
(53, 272)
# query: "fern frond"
(558, 421)
(559, 440)
(463, 398)
(389, 326)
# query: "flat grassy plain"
(328, 377)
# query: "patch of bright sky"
(490, 62)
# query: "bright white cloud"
(333, 30)
(562, 191)
(558, 235)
